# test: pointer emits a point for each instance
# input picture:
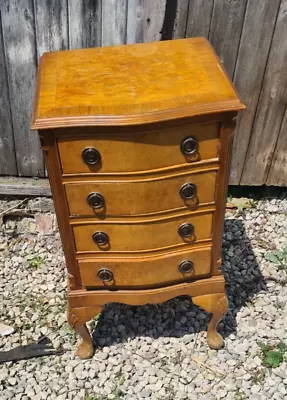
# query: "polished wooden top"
(131, 84)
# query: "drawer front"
(145, 272)
(142, 235)
(141, 197)
(131, 153)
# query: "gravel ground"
(154, 351)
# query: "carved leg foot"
(77, 318)
(217, 305)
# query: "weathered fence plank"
(19, 42)
(271, 108)
(85, 23)
(199, 18)
(225, 30)
(7, 157)
(249, 71)
(180, 23)
(114, 22)
(51, 18)
(145, 20)
(278, 170)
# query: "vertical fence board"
(145, 20)
(249, 71)
(199, 18)
(7, 158)
(85, 23)
(225, 31)
(19, 41)
(114, 22)
(277, 175)
(271, 108)
(51, 20)
(180, 23)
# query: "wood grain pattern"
(142, 235)
(8, 164)
(271, 108)
(114, 22)
(142, 196)
(85, 23)
(199, 18)
(76, 98)
(148, 150)
(145, 20)
(249, 72)
(19, 38)
(225, 30)
(278, 172)
(140, 272)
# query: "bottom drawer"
(145, 271)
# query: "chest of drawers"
(137, 141)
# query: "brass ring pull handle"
(185, 267)
(186, 230)
(91, 156)
(187, 191)
(105, 275)
(189, 146)
(96, 200)
(101, 238)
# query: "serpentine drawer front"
(142, 234)
(141, 196)
(138, 155)
(154, 271)
(129, 153)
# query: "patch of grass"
(259, 376)
(238, 395)
(34, 261)
(273, 355)
(278, 257)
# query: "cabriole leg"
(217, 305)
(77, 318)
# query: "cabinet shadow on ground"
(180, 317)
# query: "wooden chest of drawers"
(137, 142)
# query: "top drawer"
(129, 153)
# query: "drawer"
(145, 271)
(141, 197)
(130, 153)
(142, 235)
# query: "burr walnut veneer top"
(131, 84)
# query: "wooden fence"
(250, 37)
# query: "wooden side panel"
(143, 235)
(145, 20)
(85, 23)
(114, 22)
(199, 18)
(271, 108)
(225, 31)
(146, 272)
(249, 72)
(19, 38)
(142, 196)
(8, 164)
(278, 170)
(51, 17)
